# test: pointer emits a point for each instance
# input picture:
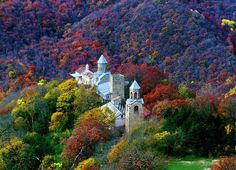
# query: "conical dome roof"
(135, 85)
(102, 60)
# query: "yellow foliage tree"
(88, 164)
(116, 151)
(58, 120)
(231, 92)
(13, 155)
(229, 23)
(68, 85)
(103, 115)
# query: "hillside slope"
(185, 40)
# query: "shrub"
(224, 163)
(134, 157)
(116, 151)
(42, 82)
(12, 74)
(184, 91)
(88, 164)
(47, 162)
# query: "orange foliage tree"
(224, 163)
(87, 133)
(159, 93)
(162, 106)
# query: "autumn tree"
(33, 110)
(224, 163)
(86, 99)
(139, 149)
(164, 106)
(87, 133)
(161, 92)
(103, 115)
(58, 121)
(148, 76)
(13, 155)
(137, 158)
(88, 164)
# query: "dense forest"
(182, 53)
(192, 42)
(58, 125)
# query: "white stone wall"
(117, 85)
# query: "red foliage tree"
(162, 106)
(87, 133)
(224, 163)
(148, 76)
(160, 93)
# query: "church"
(111, 87)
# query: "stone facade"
(117, 85)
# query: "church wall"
(105, 78)
(133, 118)
(117, 84)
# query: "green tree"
(86, 99)
(193, 123)
(33, 109)
(51, 98)
(58, 121)
(47, 162)
(13, 155)
(184, 91)
(103, 115)
(37, 146)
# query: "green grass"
(190, 164)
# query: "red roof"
(80, 69)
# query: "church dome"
(135, 85)
(102, 60)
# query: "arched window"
(135, 95)
(131, 95)
(136, 110)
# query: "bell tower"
(134, 107)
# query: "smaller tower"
(134, 90)
(134, 107)
(102, 65)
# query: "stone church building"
(111, 87)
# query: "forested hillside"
(192, 42)
(181, 52)
(59, 126)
